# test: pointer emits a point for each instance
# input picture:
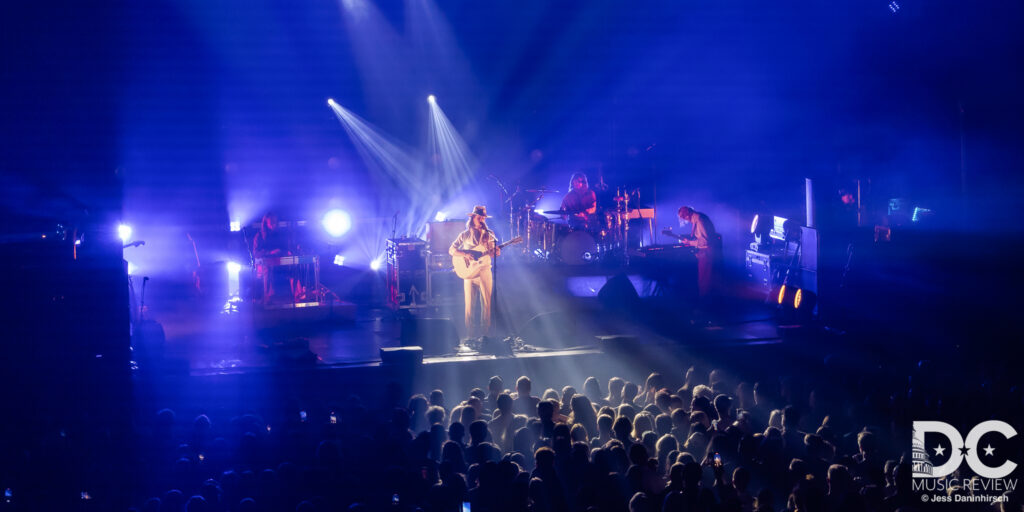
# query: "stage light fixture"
(337, 222)
(431, 99)
(804, 301)
(236, 226)
(339, 260)
(124, 232)
(331, 102)
(375, 264)
(234, 268)
(795, 306)
(440, 217)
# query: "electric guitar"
(691, 242)
(480, 259)
(686, 239)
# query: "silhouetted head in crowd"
(504, 404)
(663, 424)
(653, 383)
(699, 418)
(764, 394)
(629, 392)
(839, 480)
(435, 415)
(790, 418)
(173, 500)
(662, 399)
(583, 413)
(627, 410)
(592, 389)
(451, 453)
(560, 440)
(578, 434)
(456, 432)
(437, 398)
(196, 504)
(472, 410)
(495, 386)
(567, 393)
(545, 411)
(665, 445)
(639, 503)
(151, 505)
(247, 505)
(615, 385)
(691, 475)
(623, 429)
(544, 458)
(723, 406)
(867, 445)
(604, 425)
(524, 386)
(477, 432)
(642, 423)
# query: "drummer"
(580, 204)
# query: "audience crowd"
(690, 442)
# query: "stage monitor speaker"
(619, 295)
(618, 344)
(554, 329)
(401, 356)
(437, 336)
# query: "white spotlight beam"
(383, 155)
(377, 150)
(456, 163)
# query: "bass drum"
(576, 248)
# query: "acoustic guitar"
(479, 261)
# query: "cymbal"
(540, 190)
(556, 212)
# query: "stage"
(545, 310)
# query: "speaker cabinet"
(437, 336)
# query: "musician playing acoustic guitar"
(477, 238)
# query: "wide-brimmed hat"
(479, 210)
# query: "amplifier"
(440, 235)
(406, 273)
(436, 261)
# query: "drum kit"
(547, 236)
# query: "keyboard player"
(273, 242)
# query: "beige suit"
(482, 284)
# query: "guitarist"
(478, 237)
(707, 244)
